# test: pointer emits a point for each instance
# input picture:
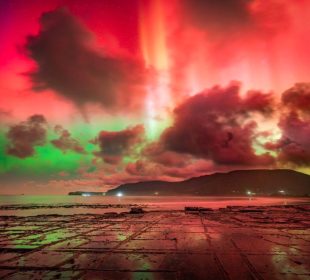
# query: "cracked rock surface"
(232, 243)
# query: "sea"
(32, 205)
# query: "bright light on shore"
(119, 194)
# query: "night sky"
(94, 94)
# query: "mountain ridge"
(236, 182)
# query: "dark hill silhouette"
(261, 182)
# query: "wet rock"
(136, 210)
(229, 243)
(193, 209)
(247, 210)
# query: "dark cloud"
(216, 124)
(142, 168)
(156, 152)
(70, 65)
(296, 128)
(256, 101)
(290, 152)
(151, 170)
(116, 144)
(294, 144)
(25, 136)
(297, 97)
(65, 142)
(236, 17)
(156, 162)
(222, 15)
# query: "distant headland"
(260, 182)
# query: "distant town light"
(119, 194)
(156, 193)
(282, 191)
(85, 194)
(248, 192)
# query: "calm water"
(67, 205)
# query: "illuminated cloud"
(65, 142)
(216, 124)
(116, 144)
(68, 63)
(25, 136)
